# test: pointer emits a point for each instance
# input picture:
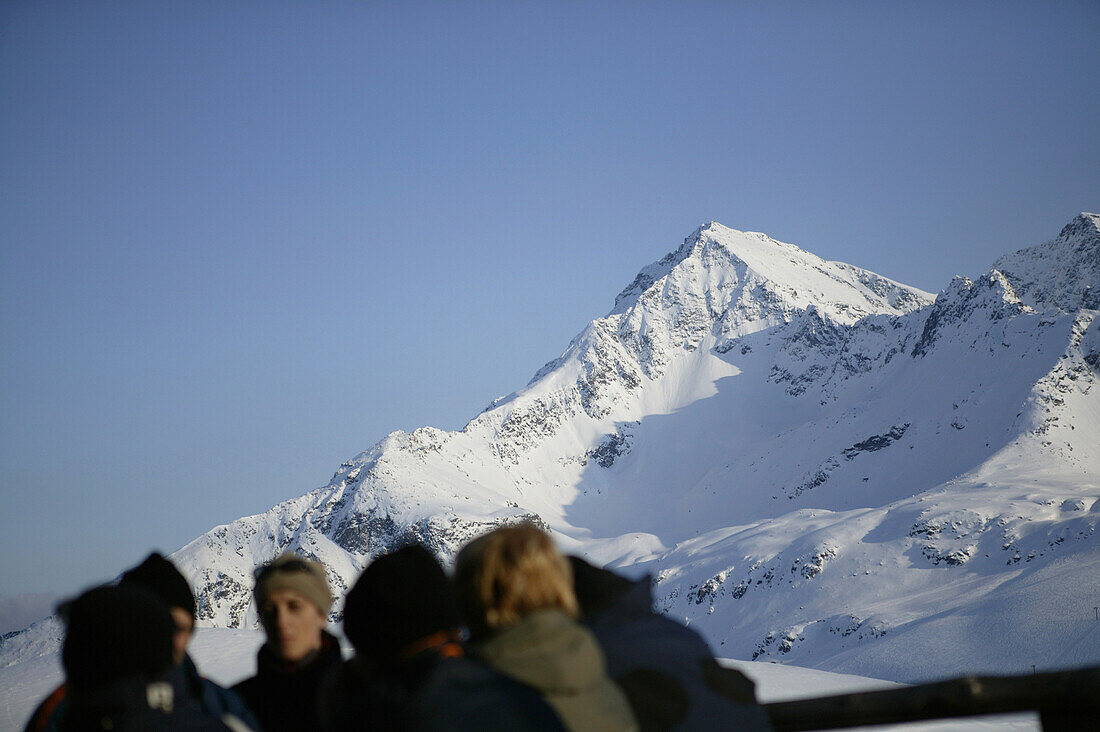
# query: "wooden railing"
(1067, 701)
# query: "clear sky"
(241, 242)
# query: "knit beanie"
(400, 598)
(290, 572)
(114, 632)
(160, 577)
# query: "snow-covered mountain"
(556, 451)
(817, 464)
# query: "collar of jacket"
(329, 652)
(131, 693)
(441, 644)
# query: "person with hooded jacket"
(293, 598)
(667, 671)
(516, 595)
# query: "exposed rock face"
(816, 463)
(1061, 273)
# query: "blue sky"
(241, 242)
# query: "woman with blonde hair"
(515, 591)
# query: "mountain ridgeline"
(816, 464)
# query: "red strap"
(443, 642)
(46, 709)
(451, 650)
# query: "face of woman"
(293, 624)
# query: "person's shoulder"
(549, 625)
(464, 692)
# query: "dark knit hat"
(400, 598)
(114, 632)
(160, 577)
(288, 571)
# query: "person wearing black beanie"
(399, 598)
(410, 671)
(160, 577)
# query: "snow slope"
(818, 465)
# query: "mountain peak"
(710, 234)
(716, 229)
(1063, 272)
(717, 261)
(1083, 226)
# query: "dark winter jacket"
(286, 696)
(560, 658)
(433, 692)
(140, 703)
(212, 699)
(667, 670)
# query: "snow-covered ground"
(228, 655)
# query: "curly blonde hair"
(508, 573)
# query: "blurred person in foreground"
(119, 668)
(160, 578)
(515, 592)
(293, 598)
(410, 671)
(667, 671)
